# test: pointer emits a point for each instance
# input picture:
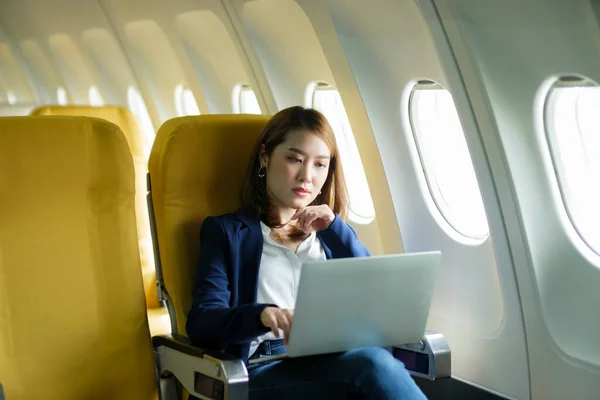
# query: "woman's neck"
(285, 214)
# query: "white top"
(279, 274)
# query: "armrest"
(204, 374)
(429, 359)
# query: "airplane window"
(138, 108)
(185, 103)
(95, 97)
(446, 161)
(61, 96)
(11, 97)
(573, 126)
(245, 101)
(327, 100)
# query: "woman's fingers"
(297, 213)
(273, 324)
(306, 217)
(276, 319)
(283, 322)
(288, 315)
(308, 221)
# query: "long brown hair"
(254, 190)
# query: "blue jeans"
(366, 373)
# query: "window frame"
(179, 96)
(60, 92)
(358, 218)
(433, 186)
(236, 99)
(145, 121)
(94, 91)
(550, 99)
(11, 97)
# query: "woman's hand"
(316, 218)
(277, 318)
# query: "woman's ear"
(262, 157)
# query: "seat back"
(197, 166)
(125, 120)
(72, 318)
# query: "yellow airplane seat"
(197, 165)
(73, 324)
(124, 119)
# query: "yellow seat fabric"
(197, 166)
(125, 120)
(72, 317)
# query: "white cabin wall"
(287, 48)
(183, 42)
(385, 228)
(14, 75)
(45, 77)
(53, 33)
(476, 306)
(505, 55)
(214, 56)
(147, 33)
(291, 54)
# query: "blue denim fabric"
(366, 373)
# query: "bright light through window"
(138, 108)
(95, 97)
(328, 101)
(11, 97)
(446, 159)
(573, 128)
(61, 96)
(185, 103)
(245, 101)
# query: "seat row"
(73, 320)
(126, 121)
(74, 308)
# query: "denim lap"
(366, 373)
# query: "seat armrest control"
(429, 358)
(203, 374)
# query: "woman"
(294, 202)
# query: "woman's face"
(297, 169)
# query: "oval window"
(446, 160)
(185, 102)
(572, 125)
(328, 101)
(245, 101)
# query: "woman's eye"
(319, 165)
(294, 159)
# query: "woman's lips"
(301, 192)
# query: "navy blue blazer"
(224, 313)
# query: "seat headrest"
(119, 116)
(197, 167)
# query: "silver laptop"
(349, 303)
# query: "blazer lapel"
(250, 243)
(326, 249)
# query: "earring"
(262, 172)
(319, 192)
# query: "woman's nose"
(304, 175)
